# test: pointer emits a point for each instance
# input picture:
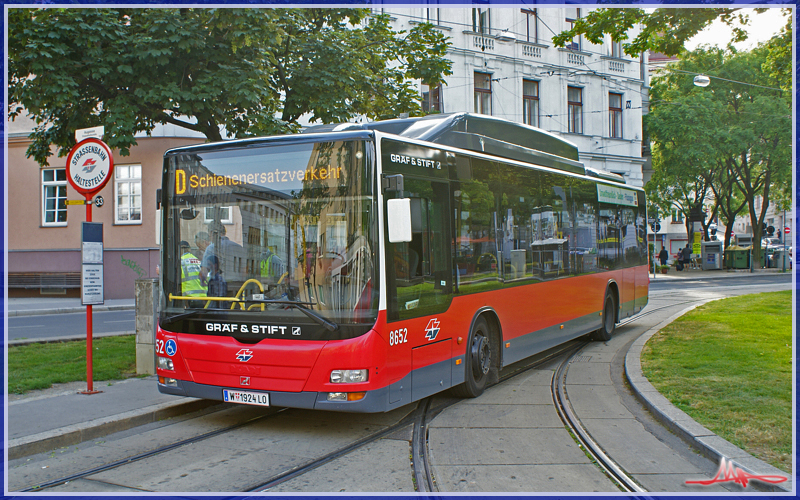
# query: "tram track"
(148, 454)
(424, 413)
(426, 410)
(418, 419)
(562, 404)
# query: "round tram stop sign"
(89, 166)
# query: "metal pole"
(89, 384)
(783, 238)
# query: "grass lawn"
(39, 366)
(728, 364)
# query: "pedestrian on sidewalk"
(663, 256)
(686, 256)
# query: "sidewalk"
(47, 420)
(46, 305)
(690, 274)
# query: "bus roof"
(468, 131)
(480, 133)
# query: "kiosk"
(711, 255)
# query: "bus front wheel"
(479, 360)
(605, 332)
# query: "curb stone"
(67, 310)
(708, 443)
(79, 433)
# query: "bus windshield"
(282, 230)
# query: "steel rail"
(419, 452)
(147, 454)
(567, 415)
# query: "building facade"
(44, 234)
(505, 65)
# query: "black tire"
(605, 332)
(479, 360)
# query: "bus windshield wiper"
(329, 325)
(188, 313)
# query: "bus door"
(631, 258)
(419, 287)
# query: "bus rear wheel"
(605, 332)
(479, 360)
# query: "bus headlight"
(165, 363)
(349, 376)
(346, 396)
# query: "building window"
(480, 21)
(432, 99)
(483, 93)
(54, 197)
(531, 25)
(128, 193)
(530, 102)
(221, 214)
(615, 115)
(572, 16)
(575, 110)
(432, 16)
(677, 216)
(616, 49)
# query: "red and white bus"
(361, 267)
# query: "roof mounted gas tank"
(480, 133)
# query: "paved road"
(69, 325)
(742, 279)
(508, 440)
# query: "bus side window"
(477, 228)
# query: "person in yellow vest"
(191, 282)
(271, 265)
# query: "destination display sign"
(278, 178)
(617, 196)
(286, 168)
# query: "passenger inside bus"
(221, 247)
(217, 286)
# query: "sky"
(761, 28)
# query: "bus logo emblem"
(432, 330)
(244, 355)
(244, 380)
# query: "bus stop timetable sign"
(92, 263)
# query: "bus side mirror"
(398, 216)
(158, 199)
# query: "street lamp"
(702, 80)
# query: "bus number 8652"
(398, 336)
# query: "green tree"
(778, 64)
(237, 71)
(663, 30)
(734, 136)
